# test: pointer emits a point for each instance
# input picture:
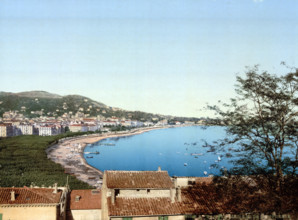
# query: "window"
(148, 190)
(190, 217)
(127, 218)
(117, 192)
(163, 218)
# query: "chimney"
(113, 196)
(159, 169)
(12, 196)
(179, 194)
(55, 188)
(175, 182)
(172, 194)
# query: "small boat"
(194, 154)
(185, 164)
(205, 173)
(87, 153)
(89, 156)
(96, 152)
(219, 159)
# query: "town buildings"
(6, 130)
(14, 124)
(139, 195)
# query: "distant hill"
(36, 103)
(38, 94)
(32, 94)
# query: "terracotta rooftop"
(206, 180)
(138, 180)
(206, 198)
(29, 196)
(87, 199)
(143, 207)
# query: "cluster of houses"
(129, 195)
(14, 124)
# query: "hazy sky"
(160, 56)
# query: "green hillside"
(34, 103)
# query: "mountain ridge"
(41, 103)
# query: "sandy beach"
(69, 153)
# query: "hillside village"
(46, 114)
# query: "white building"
(25, 129)
(48, 130)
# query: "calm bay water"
(177, 150)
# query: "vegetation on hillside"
(47, 104)
(23, 161)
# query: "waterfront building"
(93, 127)
(137, 124)
(126, 123)
(6, 130)
(49, 130)
(148, 123)
(110, 123)
(25, 129)
(33, 203)
(78, 128)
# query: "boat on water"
(107, 144)
(219, 159)
(96, 152)
(185, 164)
(89, 156)
(195, 154)
(205, 173)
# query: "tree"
(262, 124)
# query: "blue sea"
(179, 150)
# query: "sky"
(160, 56)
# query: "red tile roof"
(89, 199)
(207, 198)
(29, 196)
(206, 180)
(138, 180)
(144, 207)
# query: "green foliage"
(24, 161)
(119, 128)
(262, 122)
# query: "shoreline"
(69, 153)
